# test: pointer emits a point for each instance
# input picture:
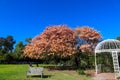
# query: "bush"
(57, 67)
(81, 72)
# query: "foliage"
(28, 40)
(105, 61)
(6, 49)
(7, 58)
(60, 44)
(56, 44)
(6, 44)
(62, 41)
(87, 38)
(18, 51)
(81, 72)
(56, 40)
(118, 38)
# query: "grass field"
(18, 72)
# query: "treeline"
(55, 46)
(9, 53)
(13, 54)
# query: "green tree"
(28, 40)
(6, 48)
(18, 53)
(6, 44)
(118, 38)
(1, 44)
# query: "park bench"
(35, 71)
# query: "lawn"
(18, 72)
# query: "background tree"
(6, 44)
(55, 40)
(6, 49)
(87, 39)
(18, 51)
(28, 40)
(8, 58)
(118, 38)
(1, 44)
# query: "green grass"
(18, 72)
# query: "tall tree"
(55, 40)
(87, 40)
(6, 44)
(1, 43)
(9, 43)
(6, 48)
(18, 52)
(62, 41)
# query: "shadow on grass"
(44, 76)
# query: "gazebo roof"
(108, 45)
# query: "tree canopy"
(118, 38)
(18, 51)
(87, 38)
(6, 44)
(55, 40)
(62, 41)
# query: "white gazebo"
(112, 46)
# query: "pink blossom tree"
(55, 40)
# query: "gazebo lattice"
(112, 46)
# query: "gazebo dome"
(108, 45)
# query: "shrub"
(81, 72)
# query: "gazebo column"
(95, 64)
(115, 63)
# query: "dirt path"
(105, 76)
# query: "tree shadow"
(44, 76)
(47, 76)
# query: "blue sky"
(28, 18)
